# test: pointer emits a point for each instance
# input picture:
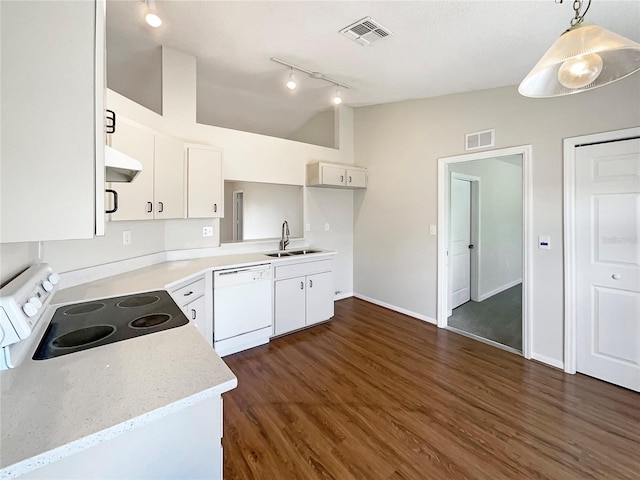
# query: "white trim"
(395, 309)
(342, 296)
(501, 288)
(527, 205)
(548, 360)
(570, 321)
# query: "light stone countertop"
(50, 409)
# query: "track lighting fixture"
(292, 84)
(337, 98)
(584, 57)
(151, 16)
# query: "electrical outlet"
(433, 230)
(207, 231)
(307, 227)
(126, 237)
(326, 227)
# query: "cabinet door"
(333, 176)
(356, 178)
(319, 305)
(289, 305)
(50, 87)
(204, 183)
(169, 183)
(135, 199)
(196, 312)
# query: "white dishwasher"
(242, 308)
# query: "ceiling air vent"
(485, 138)
(365, 31)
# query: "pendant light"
(586, 56)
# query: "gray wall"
(395, 257)
(500, 243)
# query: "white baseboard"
(548, 360)
(496, 291)
(396, 309)
(342, 296)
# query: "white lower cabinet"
(194, 300)
(303, 295)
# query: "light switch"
(433, 230)
(326, 227)
(544, 242)
(307, 227)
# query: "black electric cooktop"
(92, 324)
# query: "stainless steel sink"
(291, 253)
(278, 254)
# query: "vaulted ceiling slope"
(437, 48)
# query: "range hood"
(120, 167)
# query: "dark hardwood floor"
(374, 394)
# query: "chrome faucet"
(285, 231)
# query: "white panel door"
(319, 297)
(459, 251)
(608, 261)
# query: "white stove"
(23, 305)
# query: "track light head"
(291, 84)
(151, 16)
(337, 98)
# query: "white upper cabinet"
(322, 174)
(204, 182)
(52, 169)
(158, 191)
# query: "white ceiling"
(438, 48)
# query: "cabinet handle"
(215, 207)
(115, 201)
(349, 178)
(341, 178)
(110, 126)
(301, 285)
(160, 207)
(188, 293)
(310, 283)
(149, 207)
(193, 314)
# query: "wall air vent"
(365, 31)
(485, 138)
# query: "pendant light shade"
(584, 57)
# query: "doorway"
(602, 263)
(482, 249)
(238, 215)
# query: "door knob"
(471, 247)
(615, 276)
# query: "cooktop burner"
(78, 327)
